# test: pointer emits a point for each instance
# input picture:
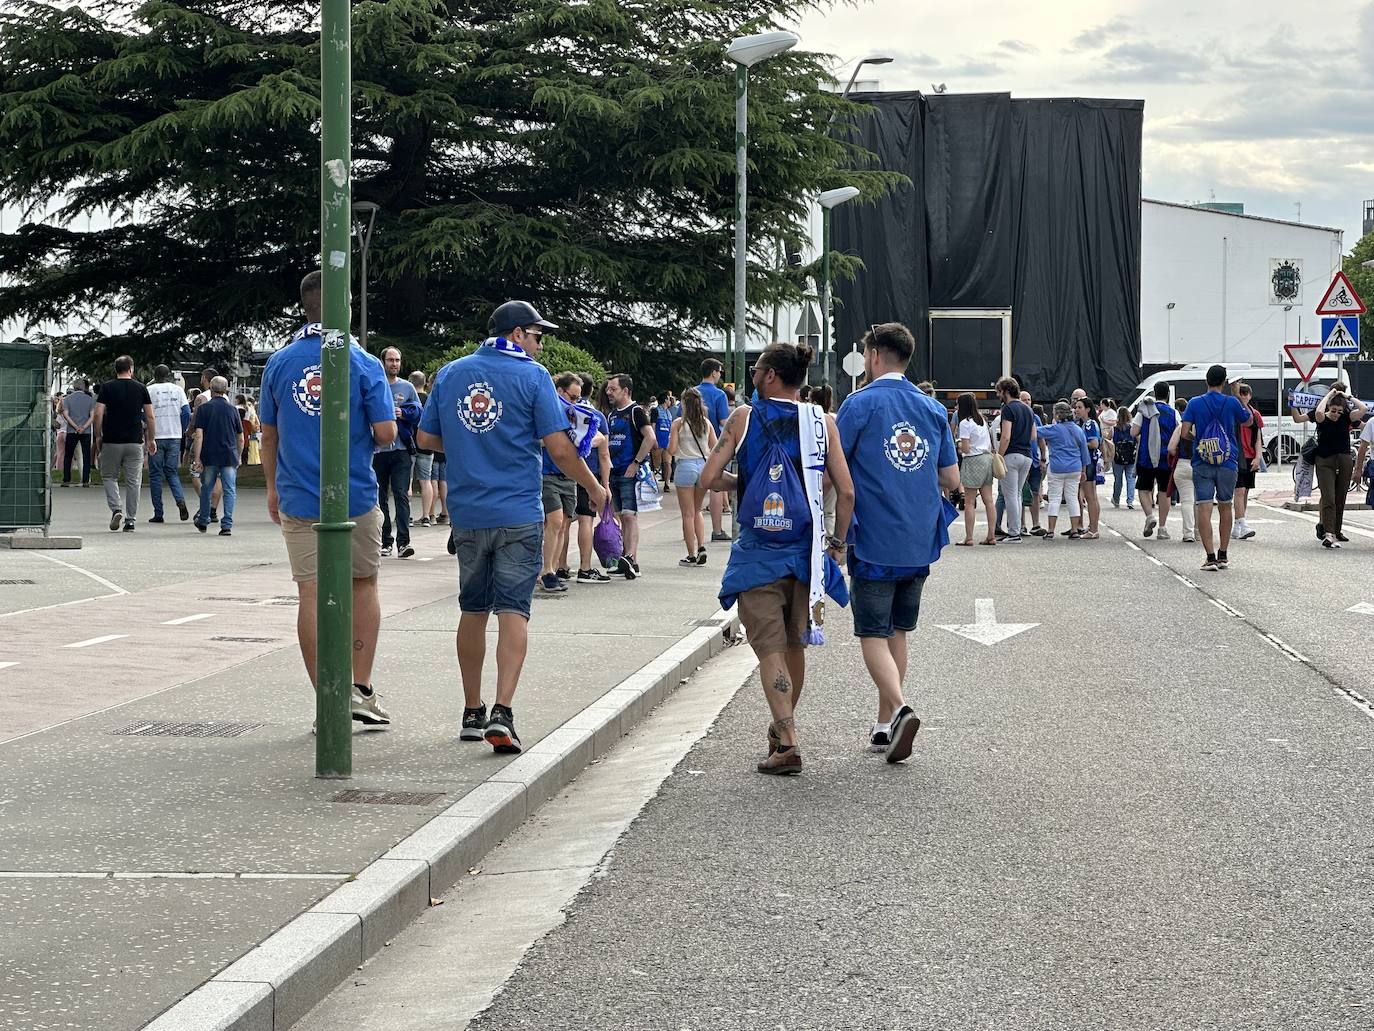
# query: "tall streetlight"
(829, 199)
(1169, 332)
(875, 59)
(366, 212)
(747, 51)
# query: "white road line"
(1154, 560)
(95, 640)
(84, 572)
(1316, 519)
(1133, 545)
(1185, 581)
(188, 619)
(59, 605)
(170, 875)
(7, 665)
(430, 559)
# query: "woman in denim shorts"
(690, 440)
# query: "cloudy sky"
(1257, 101)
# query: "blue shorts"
(623, 494)
(1213, 483)
(662, 438)
(882, 607)
(498, 567)
(688, 471)
(438, 469)
(424, 465)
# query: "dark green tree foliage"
(578, 155)
(1362, 279)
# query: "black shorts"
(584, 502)
(1151, 479)
(1245, 476)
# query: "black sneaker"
(214, 515)
(128, 526)
(1339, 536)
(201, 526)
(500, 731)
(720, 535)
(1000, 534)
(690, 560)
(563, 574)
(1009, 539)
(1209, 564)
(452, 545)
(1221, 560)
(903, 733)
(474, 723)
(592, 576)
(157, 519)
(185, 512)
(406, 551)
(626, 568)
(879, 738)
(1038, 531)
(551, 583)
(1321, 532)
(635, 563)
(117, 520)
(441, 520)
(386, 550)
(226, 533)
(701, 556)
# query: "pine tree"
(576, 155)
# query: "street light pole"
(364, 207)
(334, 609)
(1169, 332)
(746, 51)
(829, 200)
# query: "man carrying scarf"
(489, 413)
(783, 564)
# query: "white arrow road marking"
(7, 665)
(188, 619)
(1363, 608)
(95, 640)
(985, 629)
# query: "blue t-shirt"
(1068, 446)
(290, 401)
(594, 459)
(1093, 434)
(219, 425)
(405, 397)
(1168, 422)
(717, 404)
(1022, 422)
(896, 441)
(492, 410)
(1227, 410)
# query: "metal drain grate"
(248, 640)
(175, 728)
(18, 582)
(389, 797)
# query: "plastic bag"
(646, 490)
(606, 538)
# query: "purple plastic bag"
(606, 539)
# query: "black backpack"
(1125, 452)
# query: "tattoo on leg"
(786, 723)
(357, 645)
(782, 685)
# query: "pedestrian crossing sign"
(1341, 335)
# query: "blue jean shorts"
(498, 566)
(1213, 483)
(882, 607)
(623, 494)
(424, 465)
(437, 469)
(688, 472)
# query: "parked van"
(1282, 436)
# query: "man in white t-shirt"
(1366, 439)
(172, 414)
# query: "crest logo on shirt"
(479, 410)
(775, 474)
(905, 448)
(306, 390)
(774, 517)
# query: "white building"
(1207, 283)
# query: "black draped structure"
(1028, 205)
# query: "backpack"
(774, 503)
(1214, 445)
(1125, 452)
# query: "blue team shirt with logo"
(896, 440)
(716, 403)
(290, 401)
(492, 410)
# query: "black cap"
(517, 313)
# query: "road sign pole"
(334, 587)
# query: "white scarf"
(815, 442)
(506, 347)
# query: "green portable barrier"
(25, 436)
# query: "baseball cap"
(517, 313)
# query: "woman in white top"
(689, 442)
(975, 471)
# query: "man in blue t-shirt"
(217, 447)
(717, 411)
(902, 458)
(1153, 426)
(489, 413)
(289, 409)
(1210, 422)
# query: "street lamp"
(875, 59)
(1169, 332)
(747, 51)
(364, 233)
(829, 199)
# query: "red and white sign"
(1305, 358)
(1340, 298)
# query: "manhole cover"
(175, 728)
(389, 797)
(18, 581)
(247, 640)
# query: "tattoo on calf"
(786, 723)
(357, 645)
(781, 684)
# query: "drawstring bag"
(606, 538)
(646, 490)
(774, 504)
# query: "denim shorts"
(437, 470)
(424, 465)
(498, 566)
(688, 472)
(882, 607)
(623, 494)
(1213, 483)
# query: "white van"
(1282, 436)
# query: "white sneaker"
(1185, 539)
(1150, 525)
(1163, 534)
(367, 710)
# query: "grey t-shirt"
(77, 407)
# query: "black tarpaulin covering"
(1027, 204)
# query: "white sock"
(881, 728)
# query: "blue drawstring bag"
(774, 504)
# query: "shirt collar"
(890, 375)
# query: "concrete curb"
(276, 984)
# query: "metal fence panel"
(25, 436)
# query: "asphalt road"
(1148, 811)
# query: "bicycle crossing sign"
(1341, 335)
(1340, 298)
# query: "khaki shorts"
(302, 547)
(775, 616)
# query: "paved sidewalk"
(237, 835)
